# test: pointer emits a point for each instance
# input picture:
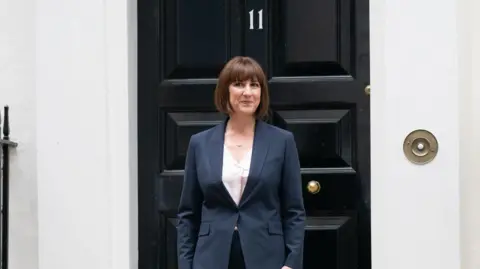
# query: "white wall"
(425, 68)
(17, 89)
(86, 133)
(67, 70)
(415, 209)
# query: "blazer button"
(236, 228)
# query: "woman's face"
(245, 96)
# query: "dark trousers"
(236, 253)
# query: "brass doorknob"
(313, 187)
(367, 90)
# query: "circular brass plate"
(420, 147)
(313, 187)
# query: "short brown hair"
(240, 69)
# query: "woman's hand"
(286, 267)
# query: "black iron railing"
(4, 186)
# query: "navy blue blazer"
(270, 216)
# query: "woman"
(241, 204)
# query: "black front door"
(316, 55)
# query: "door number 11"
(260, 19)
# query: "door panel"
(335, 241)
(323, 136)
(185, 46)
(315, 54)
(310, 38)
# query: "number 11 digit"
(260, 19)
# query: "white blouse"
(235, 174)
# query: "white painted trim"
(469, 59)
(415, 84)
(121, 61)
(85, 87)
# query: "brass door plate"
(420, 147)
(313, 187)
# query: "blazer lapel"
(216, 159)
(261, 144)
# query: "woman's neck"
(241, 124)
